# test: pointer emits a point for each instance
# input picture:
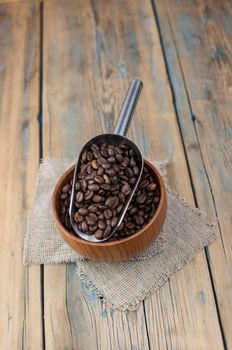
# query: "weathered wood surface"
(20, 299)
(197, 42)
(89, 57)
(88, 62)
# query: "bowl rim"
(113, 243)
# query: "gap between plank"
(146, 326)
(40, 130)
(156, 17)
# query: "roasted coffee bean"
(83, 211)
(77, 186)
(101, 224)
(144, 184)
(151, 187)
(119, 208)
(108, 214)
(99, 234)
(66, 188)
(111, 151)
(84, 156)
(141, 198)
(83, 226)
(94, 147)
(94, 164)
(79, 197)
(88, 195)
(107, 231)
(136, 170)
(77, 217)
(98, 199)
(89, 156)
(106, 179)
(111, 160)
(111, 172)
(112, 202)
(101, 161)
(94, 187)
(122, 197)
(96, 154)
(99, 179)
(126, 189)
(92, 217)
(100, 171)
(114, 221)
(63, 196)
(106, 166)
(92, 208)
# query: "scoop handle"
(128, 107)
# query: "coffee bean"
(112, 202)
(106, 166)
(100, 171)
(63, 196)
(66, 188)
(96, 154)
(106, 179)
(108, 214)
(77, 186)
(104, 153)
(99, 234)
(89, 156)
(84, 227)
(107, 231)
(92, 217)
(122, 197)
(94, 164)
(101, 161)
(126, 189)
(111, 172)
(111, 160)
(88, 195)
(99, 179)
(119, 208)
(119, 157)
(144, 184)
(97, 199)
(79, 197)
(83, 211)
(136, 170)
(94, 147)
(84, 156)
(111, 152)
(84, 184)
(77, 217)
(94, 187)
(114, 221)
(141, 198)
(92, 208)
(151, 187)
(101, 224)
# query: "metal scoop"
(116, 139)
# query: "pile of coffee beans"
(106, 179)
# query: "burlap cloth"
(121, 285)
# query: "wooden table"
(64, 68)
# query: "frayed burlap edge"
(133, 306)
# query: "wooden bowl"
(117, 250)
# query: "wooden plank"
(74, 316)
(197, 42)
(20, 317)
(90, 57)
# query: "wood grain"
(20, 317)
(89, 60)
(198, 44)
